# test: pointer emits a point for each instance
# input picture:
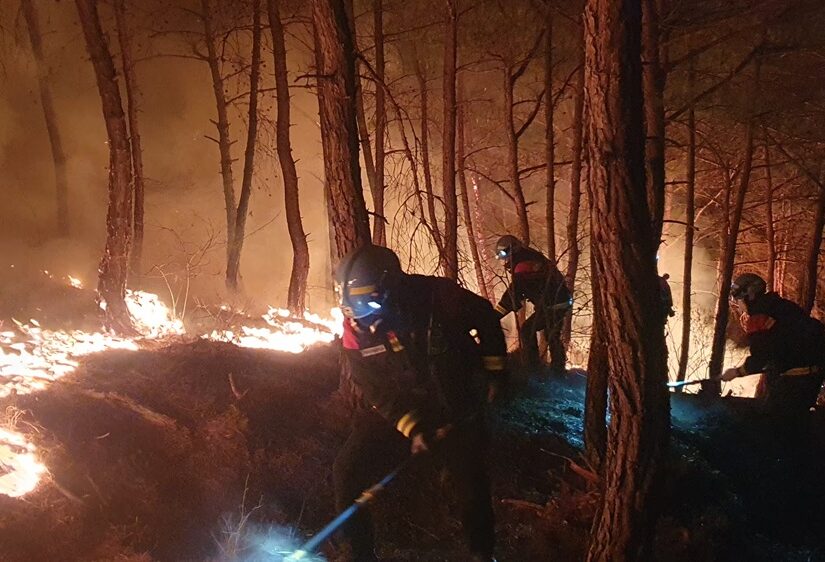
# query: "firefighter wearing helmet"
(786, 344)
(425, 354)
(536, 279)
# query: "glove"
(422, 442)
(497, 383)
(730, 374)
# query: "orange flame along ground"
(32, 357)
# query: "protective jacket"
(422, 364)
(782, 337)
(534, 278)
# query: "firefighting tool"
(680, 384)
(366, 497)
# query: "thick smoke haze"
(184, 201)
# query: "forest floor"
(205, 451)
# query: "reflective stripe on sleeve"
(501, 310)
(493, 362)
(407, 423)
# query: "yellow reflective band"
(365, 290)
(501, 310)
(407, 423)
(394, 342)
(493, 362)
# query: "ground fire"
(430, 280)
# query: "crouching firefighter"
(536, 279)
(425, 356)
(786, 344)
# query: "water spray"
(680, 384)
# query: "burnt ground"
(200, 451)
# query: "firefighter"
(786, 344)
(425, 355)
(536, 279)
(666, 296)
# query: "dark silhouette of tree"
(114, 266)
(61, 182)
(624, 260)
(124, 35)
(296, 294)
(339, 130)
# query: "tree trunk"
(628, 295)
(472, 240)
(233, 265)
(114, 266)
(450, 256)
(549, 139)
(46, 101)
(728, 256)
(124, 35)
(595, 397)
(513, 157)
(809, 278)
(296, 294)
(653, 86)
(690, 225)
(339, 131)
(379, 233)
(361, 113)
(425, 158)
(224, 139)
(573, 251)
(769, 220)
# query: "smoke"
(184, 202)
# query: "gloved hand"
(730, 374)
(422, 442)
(497, 382)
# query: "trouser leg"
(468, 467)
(529, 341)
(357, 466)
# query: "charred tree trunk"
(296, 294)
(379, 232)
(425, 158)
(728, 257)
(573, 251)
(47, 102)
(690, 224)
(653, 86)
(595, 401)
(224, 140)
(450, 256)
(467, 213)
(549, 139)
(769, 220)
(807, 287)
(625, 264)
(124, 35)
(339, 131)
(114, 266)
(513, 156)
(233, 265)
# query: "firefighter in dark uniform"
(426, 355)
(666, 297)
(536, 279)
(787, 345)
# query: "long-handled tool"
(680, 384)
(366, 497)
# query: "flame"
(285, 334)
(20, 470)
(32, 357)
